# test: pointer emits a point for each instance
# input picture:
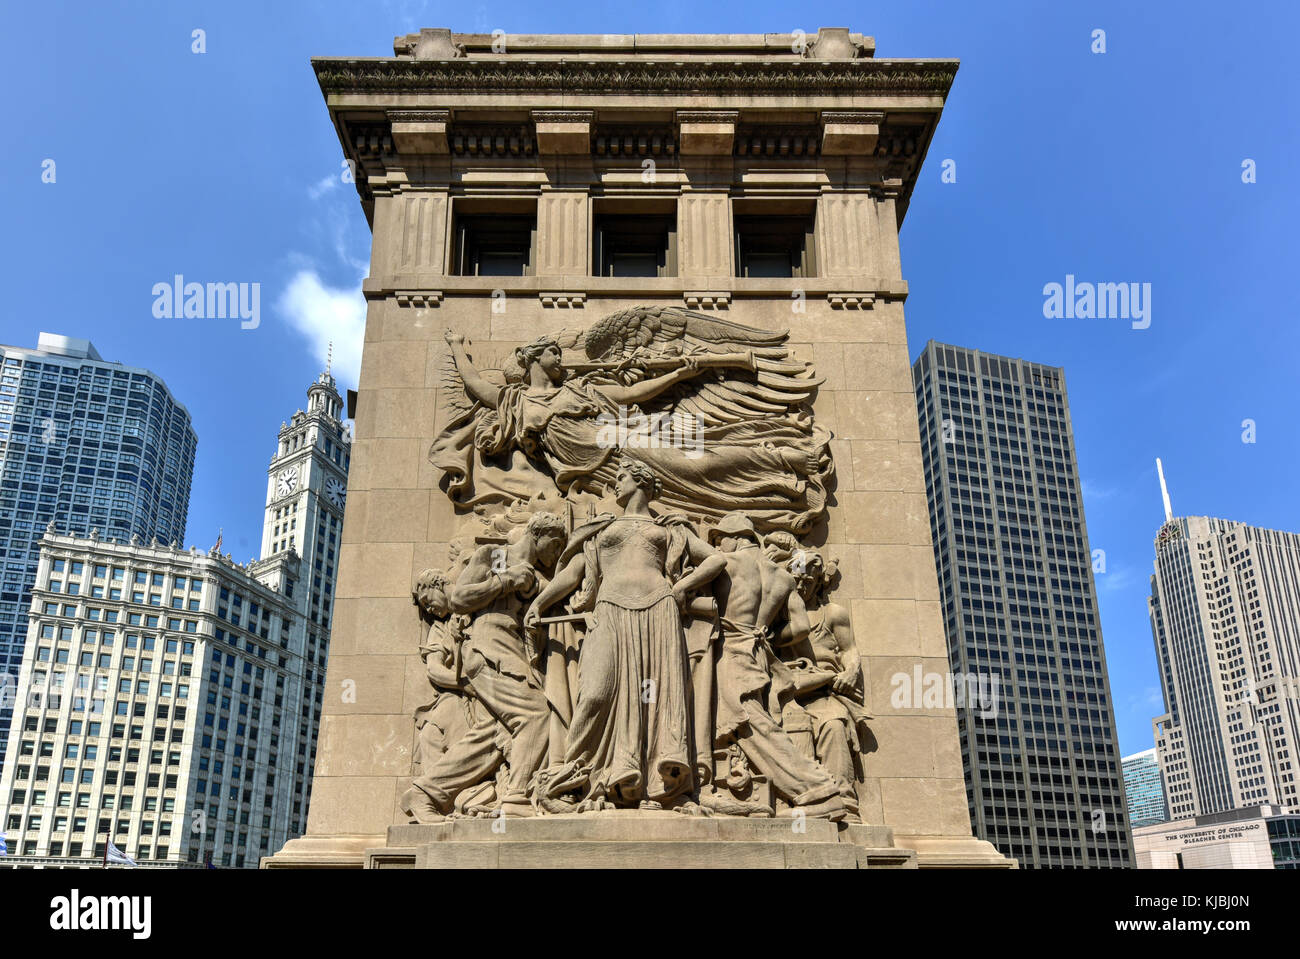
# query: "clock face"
(287, 481)
(335, 491)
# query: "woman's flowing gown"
(631, 727)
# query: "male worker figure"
(751, 593)
(825, 667)
(493, 590)
(451, 710)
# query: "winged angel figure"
(721, 412)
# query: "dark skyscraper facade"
(1043, 774)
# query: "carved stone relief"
(629, 618)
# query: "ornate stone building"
(635, 428)
(169, 699)
(85, 443)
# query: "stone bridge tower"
(521, 184)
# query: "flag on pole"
(115, 855)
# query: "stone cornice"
(419, 116)
(853, 116)
(650, 288)
(802, 77)
(563, 116)
(708, 116)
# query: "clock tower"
(306, 491)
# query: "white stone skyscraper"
(1225, 618)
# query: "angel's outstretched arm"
(649, 389)
(477, 387)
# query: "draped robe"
(568, 437)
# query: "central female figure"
(630, 739)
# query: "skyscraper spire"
(329, 359)
(1164, 490)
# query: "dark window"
(774, 246)
(494, 245)
(635, 245)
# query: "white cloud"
(324, 185)
(341, 236)
(1114, 580)
(325, 314)
(411, 13)
(1091, 491)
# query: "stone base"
(639, 840)
(956, 852)
(322, 852)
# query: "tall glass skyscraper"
(1146, 792)
(85, 444)
(1015, 572)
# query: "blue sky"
(1116, 167)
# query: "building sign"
(1199, 837)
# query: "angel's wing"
(453, 401)
(660, 328)
(779, 385)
